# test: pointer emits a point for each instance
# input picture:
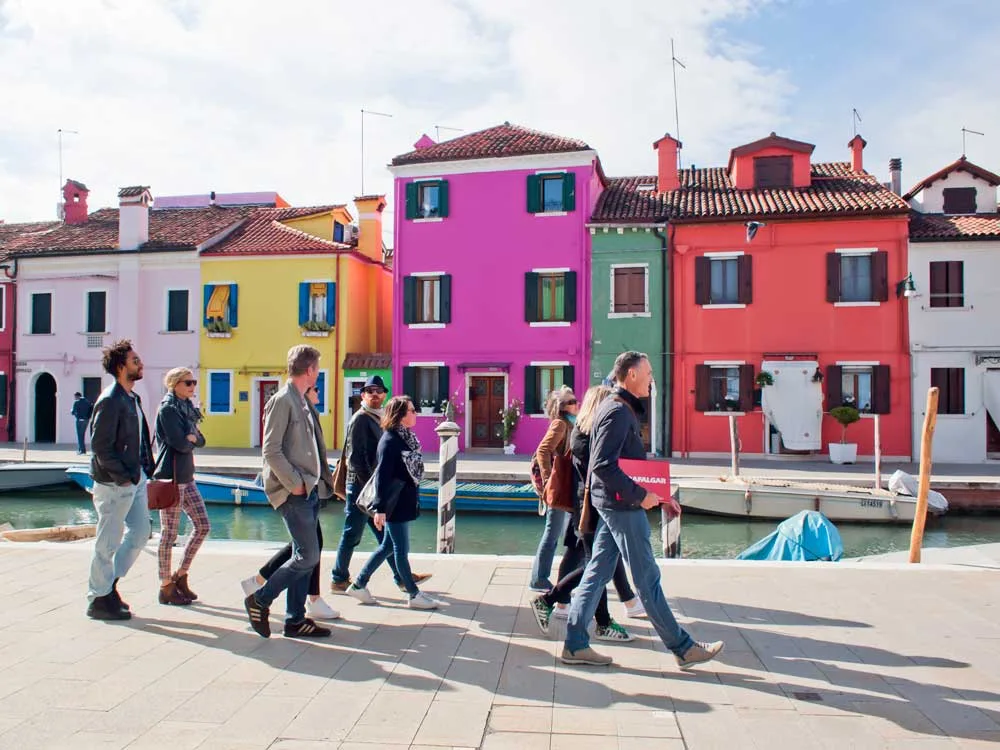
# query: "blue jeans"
(354, 528)
(300, 515)
(626, 531)
(119, 509)
(81, 430)
(395, 545)
(555, 529)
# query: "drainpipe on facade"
(666, 340)
(12, 378)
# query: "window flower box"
(315, 334)
(220, 334)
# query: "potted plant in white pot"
(844, 452)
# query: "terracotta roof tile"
(264, 234)
(174, 229)
(133, 191)
(367, 361)
(499, 141)
(938, 227)
(959, 165)
(708, 194)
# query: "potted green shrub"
(218, 328)
(844, 452)
(316, 328)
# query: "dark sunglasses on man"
(379, 391)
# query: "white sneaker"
(636, 610)
(561, 612)
(361, 594)
(249, 585)
(320, 610)
(422, 601)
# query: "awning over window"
(794, 404)
(218, 303)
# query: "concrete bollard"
(447, 469)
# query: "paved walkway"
(510, 468)
(862, 655)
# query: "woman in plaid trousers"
(177, 436)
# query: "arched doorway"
(45, 409)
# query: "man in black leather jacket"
(121, 463)
(623, 525)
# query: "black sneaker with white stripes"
(306, 629)
(258, 615)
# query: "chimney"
(666, 175)
(896, 176)
(370, 209)
(74, 202)
(425, 142)
(133, 217)
(211, 198)
(857, 145)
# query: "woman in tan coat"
(561, 408)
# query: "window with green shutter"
(427, 199)
(551, 193)
(550, 297)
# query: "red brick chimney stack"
(666, 175)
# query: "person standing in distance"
(81, 411)
(122, 462)
(622, 525)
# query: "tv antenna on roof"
(439, 128)
(855, 119)
(363, 113)
(674, 62)
(60, 131)
(964, 131)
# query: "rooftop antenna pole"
(964, 132)
(674, 62)
(855, 119)
(363, 113)
(439, 128)
(60, 131)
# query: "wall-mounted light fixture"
(906, 287)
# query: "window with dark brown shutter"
(959, 200)
(702, 387)
(746, 388)
(881, 390)
(772, 172)
(720, 388)
(723, 280)
(950, 382)
(947, 283)
(629, 295)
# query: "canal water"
(506, 534)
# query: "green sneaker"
(613, 632)
(542, 612)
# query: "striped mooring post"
(447, 469)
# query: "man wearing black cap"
(363, 433)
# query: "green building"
(629, 294)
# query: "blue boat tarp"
(808, 535)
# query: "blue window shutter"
(233, 305)
(219, 392)
(208, 295)
(303, 302)
(321, 391)
(331, 303)
(338, 232)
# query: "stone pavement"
(851, 655)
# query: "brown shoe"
(182, 585)
(418, 578)
(700, 653)
(171, 594)
(340, 587)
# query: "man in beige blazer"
(296, 477)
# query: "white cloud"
(247, 95)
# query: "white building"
(954, 333)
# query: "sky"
(188, 96)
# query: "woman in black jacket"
(398, 471)
(177, 436)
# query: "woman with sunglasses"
(561, 409)
(398, 471)
(316, 606)
(177, 436)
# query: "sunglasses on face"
(571, 402)
(190, 383)
(374, 391)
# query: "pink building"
(491, 277)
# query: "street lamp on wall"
(906, 288)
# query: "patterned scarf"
(184, 406)
(413, 459)
(377, 413)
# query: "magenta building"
(491, 278)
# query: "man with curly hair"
(122, 461)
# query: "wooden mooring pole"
(878, 452)
(926, 443)
(734, 446)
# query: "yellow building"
(290, 276)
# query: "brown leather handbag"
(162, 494)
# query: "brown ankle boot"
(171, 594)
(182, 585)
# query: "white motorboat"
(32, 476)
(776, 499)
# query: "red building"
(782, 265)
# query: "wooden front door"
(486, 400)
(265, 389)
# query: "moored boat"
(32, 476)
